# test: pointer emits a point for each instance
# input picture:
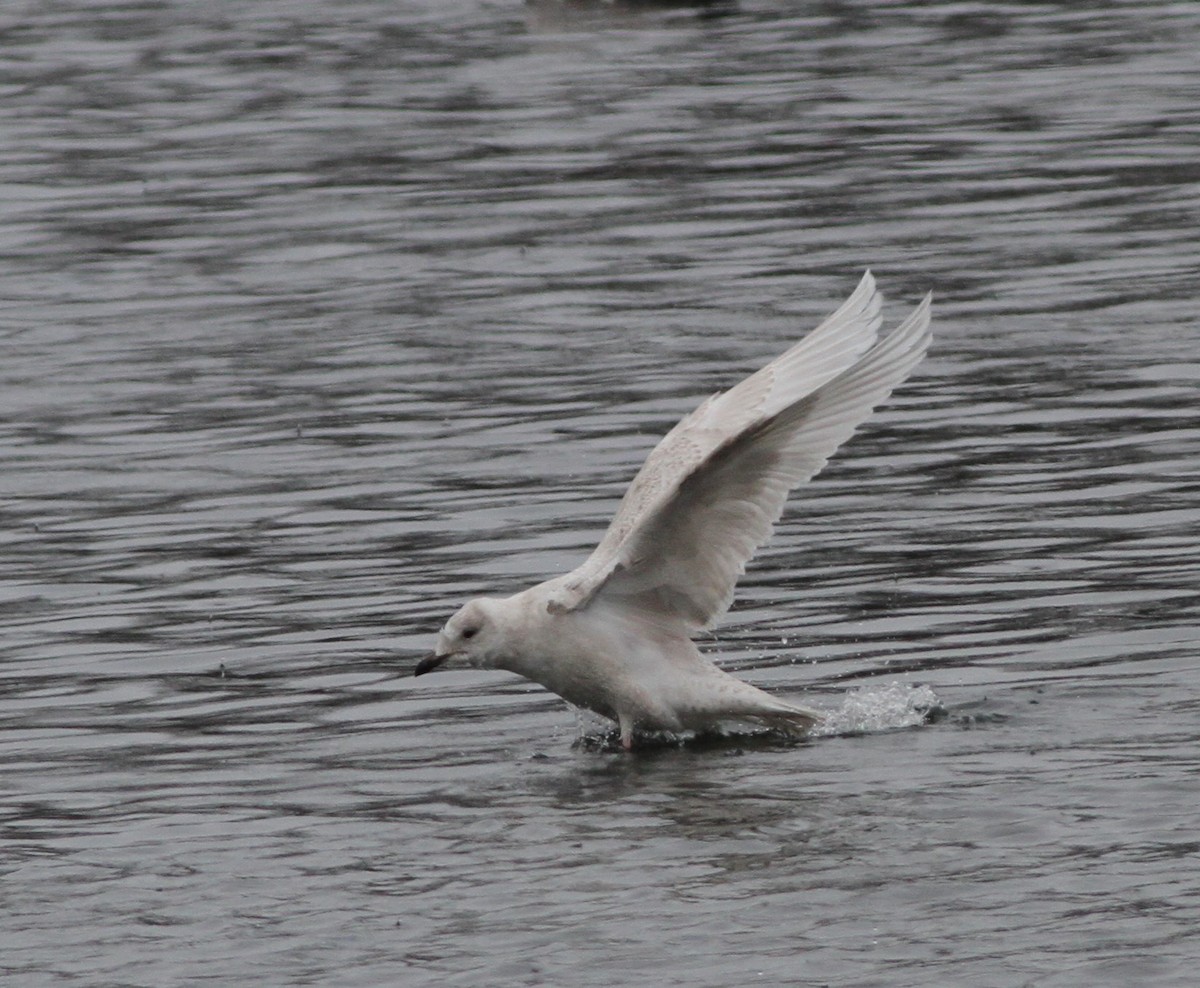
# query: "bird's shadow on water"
(619, 11)
(648, 746)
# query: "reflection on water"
(316, 322)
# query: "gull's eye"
(470, 632)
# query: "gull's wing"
(709, 494)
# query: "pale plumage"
(614, 634)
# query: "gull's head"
(473, 635)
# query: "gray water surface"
(316, 319)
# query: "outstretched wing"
(710, 492)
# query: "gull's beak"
(429, 663)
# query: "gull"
(615, 634)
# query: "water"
(318, 319)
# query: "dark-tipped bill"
(429, 663)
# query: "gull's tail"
(737, 700)
(792, 720)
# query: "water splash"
(880, 708)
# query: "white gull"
(614, 635)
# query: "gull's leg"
(626, 724)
